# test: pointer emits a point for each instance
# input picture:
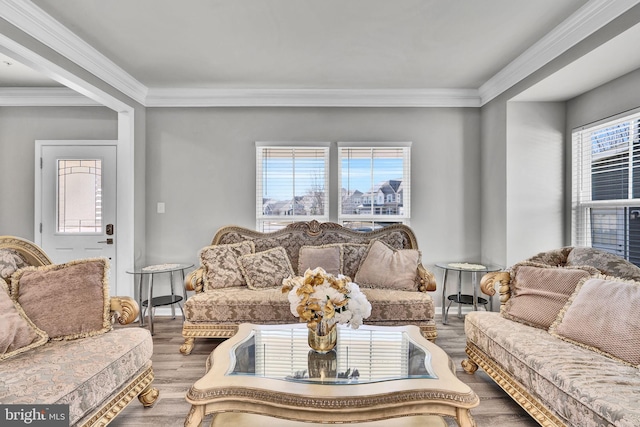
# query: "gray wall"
(201, 164)
(20, 127)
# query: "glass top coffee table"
(375, 373)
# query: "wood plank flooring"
(175, 373)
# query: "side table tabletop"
(460, 298)
(151, 301)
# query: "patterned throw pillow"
(388, 268)
(266, 269)
(17, 332)
(608, 263)
(329, 257)
(67, 301)
(10, 261)
(352, 256)
(221, 264)
(538, 292)
(602, 315)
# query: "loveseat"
(57, 340)
(241, 273)
(566, 343)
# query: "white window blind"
(291, 185)
(375, 185)
(606, 187)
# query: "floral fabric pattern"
(78, 373)
(582, 387)
(265, 269)
(608, 264)
(352, 256)
(221, 264)
(10, 261)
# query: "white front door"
(76, 196)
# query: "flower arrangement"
(320, 298)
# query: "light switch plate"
(160, 207)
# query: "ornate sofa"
(224, 299)
(97, 373)
(565, 345)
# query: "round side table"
(460, 298)
(151, 301)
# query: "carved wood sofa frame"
(195, 279)
(124, 310)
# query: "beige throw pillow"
(222, 269)
(602, 315)
(328, 257)
(388, 268)
(266, 269)
(17, 332)
(67, 301)
(538, 292)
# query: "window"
(291, 185)
(79, 204)
(606, 187)
(374, 183)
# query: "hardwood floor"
(175, 373)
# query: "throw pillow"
(388, 268)
(602, 315)
(10, 261)
(538, 292)
(67, 301)
(607, 263)
(266, 269)
(352, 256)
(17, 332)
(221, 264)
(329, 257)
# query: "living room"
(490, 168)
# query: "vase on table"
(322, 366)
(323, 337)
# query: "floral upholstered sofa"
(566, 343)
(57, 343)
(241, 273)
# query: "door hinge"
(40, 228)
(41, 162)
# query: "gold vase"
(323, 338)
(322, 366)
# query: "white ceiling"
(321, 45)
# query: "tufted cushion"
(266, 269)
(602, 315)
(17, 332)
(10, 261)
(608, 263)
(329, 257)
(221, 264)
(79, 373)
(538, 292)
(386, 267)
(67, 301)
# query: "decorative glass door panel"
(79, 207)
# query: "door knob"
(108, 241)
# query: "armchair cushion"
(266, 269)
(222, 269)
(10, 261)
(81, 293)
(329, 257)
(386, 267)
(539, 292)
(602, 315)
(17, 332)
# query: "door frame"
(121, 244)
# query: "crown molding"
(34, 21)
(44, 97)
(189, 97)
(584, 22)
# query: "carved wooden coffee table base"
(217, 392)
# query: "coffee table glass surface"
(375, 373)
(363, 356)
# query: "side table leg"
(173, 307)
(141, 314)
(444, 297)
(474, 279)
(150, 302)
(459, 294)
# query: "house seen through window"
(606, 187)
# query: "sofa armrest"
(501, 278)
(427, 279)
(124, 309)
(195, 280)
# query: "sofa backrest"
(314, 233)
(29, 251)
